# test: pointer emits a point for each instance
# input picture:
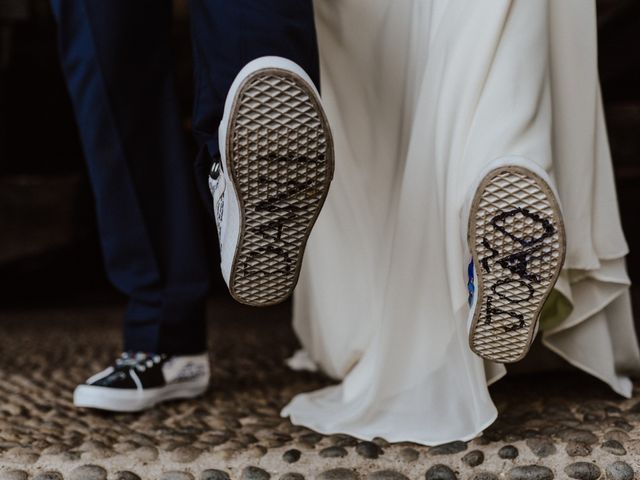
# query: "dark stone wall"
(48, 241)
(619, 62)
(49, 248)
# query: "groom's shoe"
(137, 381)
(517, 241)
(271, 181)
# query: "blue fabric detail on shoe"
(470, 285)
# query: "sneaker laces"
(139, 360)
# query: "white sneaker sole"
(517, 240)
(280, 159)
(130, 400)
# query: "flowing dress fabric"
(423, 95)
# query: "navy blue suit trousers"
(117, 60)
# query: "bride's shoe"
(517, 242)
(272, 178)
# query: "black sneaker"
(137, 381)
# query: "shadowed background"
(49, 250)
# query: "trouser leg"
(117, 61)
(228, 34)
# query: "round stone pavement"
(550, 426)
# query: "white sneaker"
(276, 166)
(137, 381)
(517, 242)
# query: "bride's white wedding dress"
(422, 95)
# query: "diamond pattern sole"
(517, 240)
(280, 152)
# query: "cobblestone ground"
(551, 426)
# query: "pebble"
(530, 472)
(338, 474)
(612, 410)
(635, 408)
(247, 438)
(368, 450)
(578, 435)
(176, 475)
(145, 453)
(226, 453)
(14, 475)
(381, 442)
(49, 475)
(342, 440)
(409, 454)
(386, 475)
(485, 476)
(614, 447)
(583, 471)
(333, 452)
(254, 473)
(55, 449)
(301, 444)
(622, 425)
(97, 454)
(508, 452)
(619, 435)
(619, 471)
(577, 449)
(91, 445)
(448, 448)
(273, 443)
(124, 447)
(184, 454)
(275, 439)
(541, 447)
(292, 476)
(592, 417)
(255, 451)
(21, 455)
(292, 456)
(71, 456)
(553, 430)
(125, 475)
(311, 438)
(213, 474)
(557, 410)
(440, 472)
(473, 458)
(88, 472)
(141, 439)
